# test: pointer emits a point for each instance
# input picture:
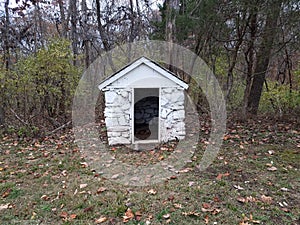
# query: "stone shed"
(144, 103)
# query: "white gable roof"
(147, 64)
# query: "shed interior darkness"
(146, 114)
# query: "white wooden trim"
(132, 119)
(135, 64)
(145, 141)
(159, 108)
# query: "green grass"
(40, 187)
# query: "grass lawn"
(254, 180)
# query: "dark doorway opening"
(146, 114)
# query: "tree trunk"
(103, 35)
(249, 58)
(64, 22)
(74, 38)
(6, 62)
(6, 36)
(263, 58)
(101, 30)
(86, 41)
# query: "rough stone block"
(180, 114)
(118, 140)
(118, 129)
(122, 121)
(111, 122)
(110, 96)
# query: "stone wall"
(172, 114)
(117, 115)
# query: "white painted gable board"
(144, 77)
(138, 71)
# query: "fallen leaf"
(266, 199)
(6, 206)
(84, 164)
(152, 192)
(284, 189)
(191, 183)
(6, 193)
(82, 186)
(238, 187)
(101, 220)
(241, 199)
(272, 168)
(64, 215)
(166, 216)
(115, 176)
(206, 219)
(101, 189)
(160, 158)
(171, 198)
(186, 170)
(177, 206)
(219, 177)
(73, 216)
(285, 209)
(271, 152)
(246, 199)
(45, 197)
(216, 199)
(138, 215)
(192, 213)
(128, 215)
(206, 205)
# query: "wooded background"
(251, 46)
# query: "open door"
(146, 115)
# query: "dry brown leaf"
(101, 189)
(192, 213)
(160, 158)
(285, 209)
(206, 219)
(6, 193)
(238, 187)
(171, 198)
(45, 197)
(177, 206)
(272, 168)
(152, 192)
(6, 206)
(266, 199)
(138, 215)
(128, 215)
(73, 216)
(246, 199)
(241, 199)
(216, 211)
(84, 164)
(82, 186)
(219, 177)
(101, 220)
(186, 170)
(64, 215)
(206, 205)
(166, 216)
